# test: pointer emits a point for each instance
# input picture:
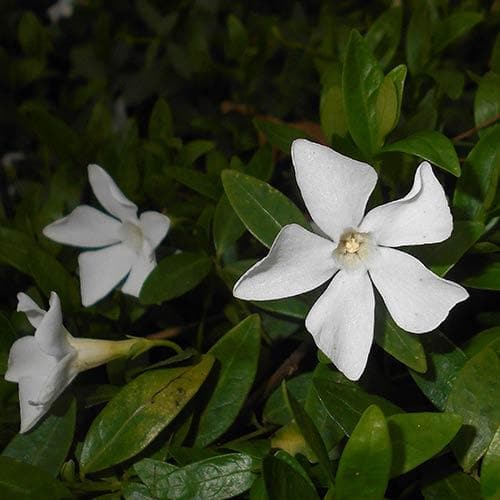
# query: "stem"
(473, 130)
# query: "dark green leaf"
(490, 470)
(263, 209)
(365, 463)
(278, 134)
(487, 101)
(417, 437)
(457, 486)
(361, 79)
(47, 445)
(453, 27)
(486, 278)
(194, 150)
(474, 396)
(261, 164)
(237, 353)
(227, 226)
(197, 181)
(174, 276)
(139, 412)
(431, 146)
(489, 337)
(418, 39)
(398, 77)
(20, 481)
(153, 473)
(386, 108)
(292, 307)
(475, 190)
(14, 249)
(160, 126)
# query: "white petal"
(84, 227)
(29, 387)
(101, 270)
(154, 226)
(422, 216)
(26, 359)
(110, 196)
(141, 268)
(342, 319)
(297, 262)
(416, 298)
(51, 334)
(335, 188)
(29, 307)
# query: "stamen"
(353, 248)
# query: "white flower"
(356, 250)
(60, 9)
(128, 242)
(45, 364)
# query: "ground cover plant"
(249, 249)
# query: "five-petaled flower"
(124, 244)
(356, 251)
(45, 364)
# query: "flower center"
(353, 248)
(132, 236)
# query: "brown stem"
(473, 130)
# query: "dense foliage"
(191, 107)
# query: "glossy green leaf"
(490, 470)
(398, 77)
(418, 39)
(310, 433)
(474, 395)
(486, 338)
(456, 486)
(364, 466)
(47, 445)
(237, 356)
(174, 276)
(346, 403)
(160, 127)
(443, 256)
(386, 107)
(153, 473)
(487, 277)
(220, 477)
(261, 164)
(284, 482)
(475, 190)
(444, 361)
(384, 35)
(279, 135)
(361, 79)
(417, 437)
(202, 183)
(293, 307)
(431, 146)
(227, 226)
(453, 27)
(405, 347)
(20, 481)
(136, 491)
(487, 100)
(139, 412)
(262, 208)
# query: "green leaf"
(160, 127)
(139, 412)
(194, 150)
(173, 276)
(386, 108)
(152, 473)
(227, 226)
(474, 392)
(487, 100)
(456, 486)
(202, 183)
(261, 164)
(475, 190)
(22, 481)
(361, 79)
(237, 38)
(443, 256)
(453, 27)
(398, 77)
(417, 437)
(47, 445)
(7, 338)
(219, 477)
(384, 35)
(490, 470)
(405, 347)
(489, 337)
(486, 278)
(263, 209)
(292, 307)
(136, 491)
(418, 39)
(310, 433)
(284, 482)
(279, 135)
(14, 249)
(364, 465)
(237, 354)
(346, 403)
(331, 111)
(431, 146)
(444, 361)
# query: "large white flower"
(45, 364)
(128, 242)
(356, 251)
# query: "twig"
(173, 331)
(473, 130)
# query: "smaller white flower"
(60, 9)
(125, 243)
(45, 364)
